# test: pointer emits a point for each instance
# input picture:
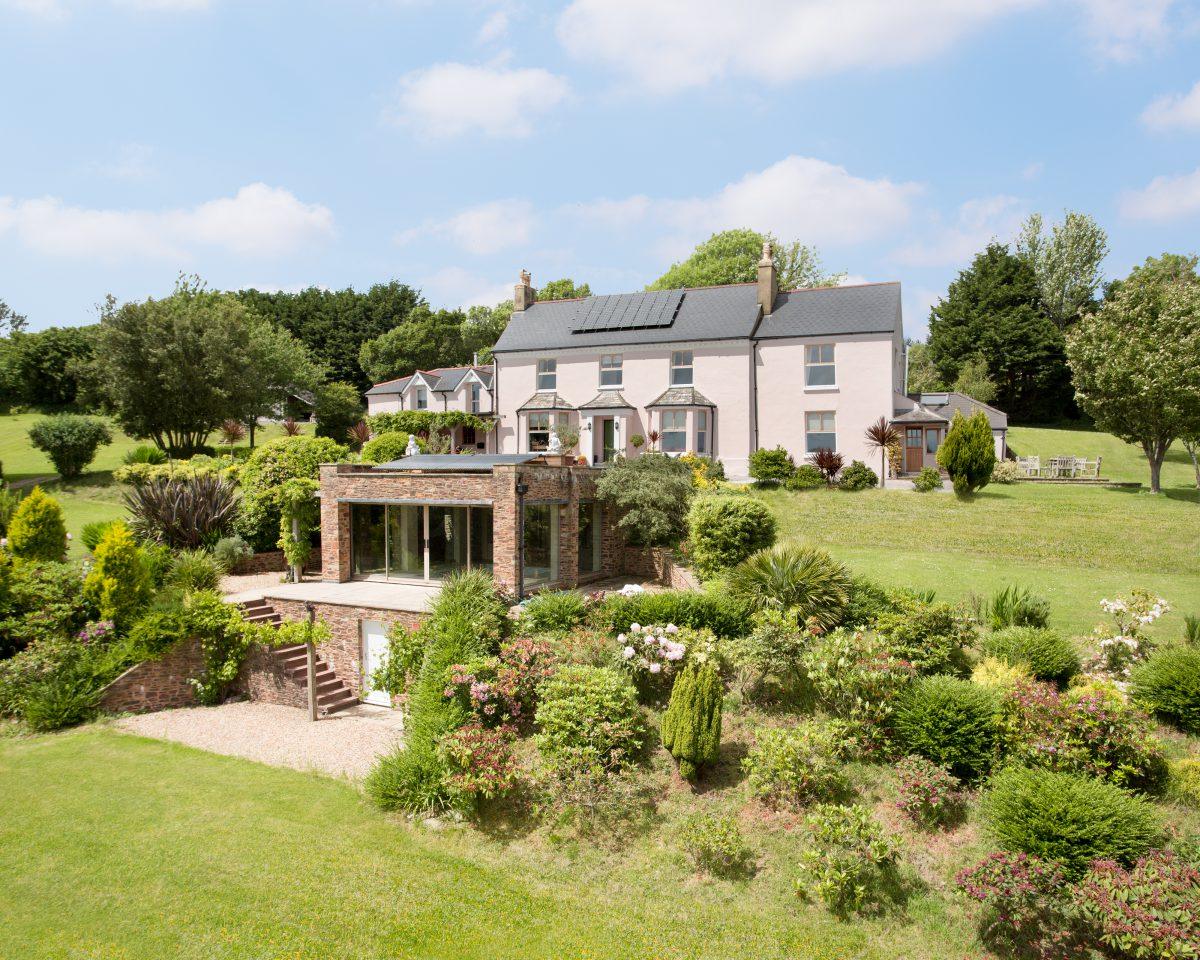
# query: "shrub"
(9, 501)
(716, 845)
(338, 407)
(385, 448)
(772, 652)
(968, 453)
(1007, 471)
(92, 533)
(61, 700)
(1185, 780)
(267, 470)
(1169, 685)
(70, 441)
(1028, 909)
(927, 480)
(1047, 654)
(866, 601)
(951, 722)
(806, 477)
(724, 531)
(649, 495)
(413, 778)
(1070, 819)
(1090, 730)
(998, 675)
(503, 689)
(471, 595)
(771, 467)
(930, 796)
(119, 582)
(724, 616)
(795, 766)
(223, 643)
(858, 678)
(183, 513)
(691, 726)
(193, 570)
(1191, 630)
(44, 600)
(931, 636)
(707, 473)
(556, 612)
(803, 580)
(858, 476)
(594, 800)
(480, 761)
(155, 632)
(1151, 910)
(589, 715)
(37, 530)
(230, 551)
(146, 453)
(850, 861)
(829, 463)
(1016, 607)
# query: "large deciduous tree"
(1136, 363)
(1066, 263)
(44, 367)
(174, 369)
(732, 256)
(993, 310)
(427, 339)
(563, 289)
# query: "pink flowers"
(652, 649)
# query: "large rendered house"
(719, 371)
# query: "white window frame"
(547, 375)
(683, 372)
(422, 400)
(815, 360)
(475, 393)
(821, 430)
(553, 420)
(702, 432)
(672, 428)
(612, 366)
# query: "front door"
(609, 434)
(374, 653)
(914, 449)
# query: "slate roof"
(919, 414)
(443, 379)
(681, 397)
(956, 402)
(399, 385)
(701, 313)
(607, 400)
(545, 401)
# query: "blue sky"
(448, 144)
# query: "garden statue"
(412, 449)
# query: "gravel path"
(343, 745)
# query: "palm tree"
(884, 437)
(805, 581)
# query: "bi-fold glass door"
(418, 541)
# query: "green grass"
(1072, 545)
(113, 846)
(1121, 462)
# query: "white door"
(375, 644)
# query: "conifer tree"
(119, 583)
(968, 453)
(37, 530)
(691, 727)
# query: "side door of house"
(374, 652)
(914, 449)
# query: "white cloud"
(451, 99)
(133, 161)
(978, 222)
(1033, 170)
(1121, 29)
(483, 229)
(1164, 198)
(493, 28)
(1174, 112)
(821, 202)
(670, 45)
(259, 221)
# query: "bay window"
(674, 431)
(702, 432)
(540, 425)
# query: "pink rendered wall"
(865, 369)
(721, 372)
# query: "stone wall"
(659, 564)
(157, 684)
(269, 561)
(263, 679)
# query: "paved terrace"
(376, 595)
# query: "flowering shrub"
(480, 760)
(929, 795)
(653, 655)
(793, 767)
(715, 844)
(1150, 910)
(503, 689)
(1028, 908)
(858, 678)
(1089, 729)
(96, 632)
(849, 859)
(1122, 645)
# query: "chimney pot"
(523, 293)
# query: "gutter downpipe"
(754, 375)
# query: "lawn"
(1072, 545)
(117, 847)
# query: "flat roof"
(457, 462)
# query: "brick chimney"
(523, 293)
(768, 279)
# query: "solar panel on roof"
(628, 311)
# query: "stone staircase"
(332, 693)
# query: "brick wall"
(657, 563)
(157, 684)
(269, 561)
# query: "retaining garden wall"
(157, 684)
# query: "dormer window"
(475, 398)
(547, 375)
(819, 370)
(681, 368)
(611, 374)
